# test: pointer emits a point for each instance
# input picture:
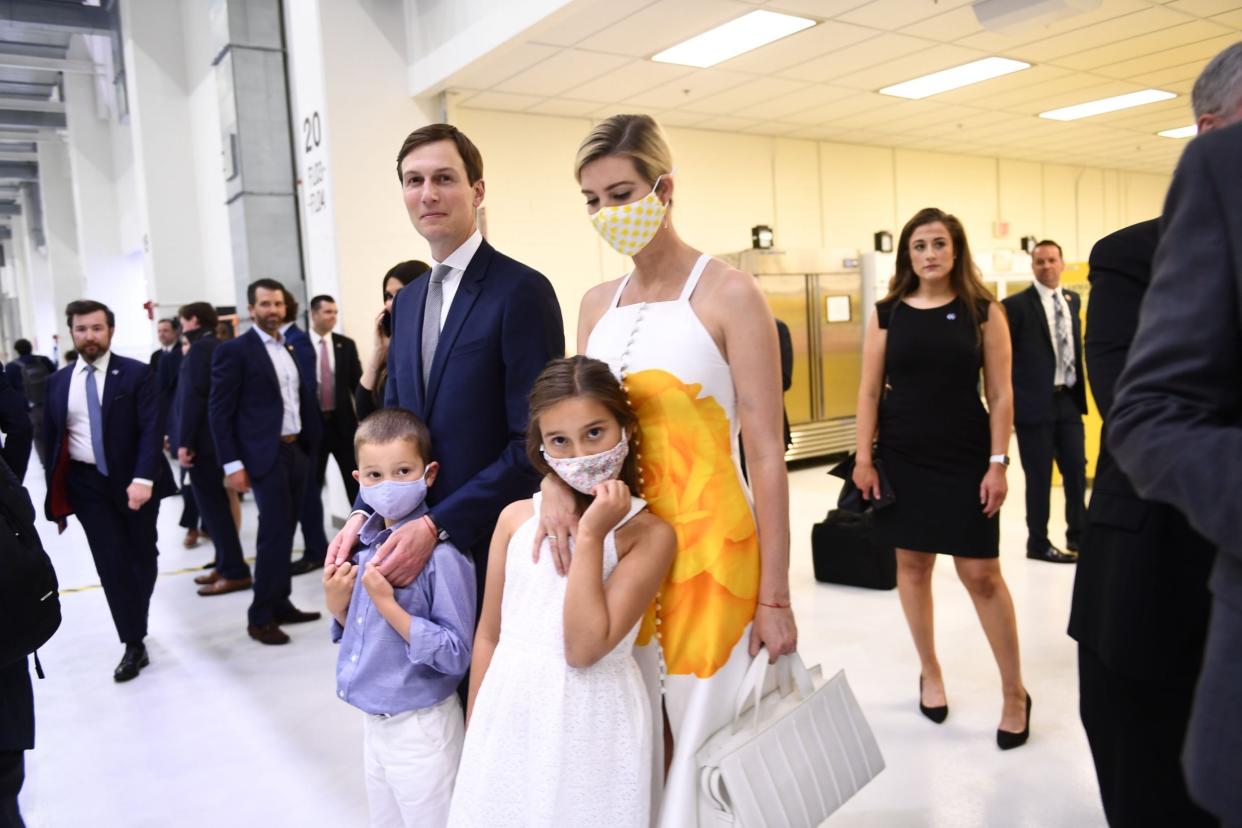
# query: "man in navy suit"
(114, 486)
(166, 363)
(263, 416)
(1050, 398)
(467, 344)
(196, 451)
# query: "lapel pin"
(115, 372)
(951, 316)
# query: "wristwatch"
(441, 534)
(1003, 459)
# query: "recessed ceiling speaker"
(1009, 16)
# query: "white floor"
(220, 730)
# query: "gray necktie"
(94, 415)
(1065, 344)
(431, 318)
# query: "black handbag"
(851, 499)
(843, 551)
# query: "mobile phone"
(386, 324)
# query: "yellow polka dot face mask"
(631, 227)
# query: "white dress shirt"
(287, 376)
(458, 260)
(1048, 296)
(78, 419)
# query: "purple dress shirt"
(377, 671)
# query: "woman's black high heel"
(1007, 740)
(936, 714)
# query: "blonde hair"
(637, 137)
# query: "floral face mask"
(587, 472)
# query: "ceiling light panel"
(976, 71)
(1113, 104)
(738, 36)
(1180, 132)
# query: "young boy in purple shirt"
(403, 651)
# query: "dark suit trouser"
(190, 517)
(123, 544)
(311, 515)
(278, 494)
(36, 420)
(1061, 439)
(207, 481)
(1214, 739)
(12, 774)
(1136, 730)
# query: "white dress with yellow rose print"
(692, 643)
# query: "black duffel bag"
(844, 552)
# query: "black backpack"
(34, 379)
(29, 592)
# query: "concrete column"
(257, 144)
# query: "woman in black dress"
(942, 452)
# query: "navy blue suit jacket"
(133, 428)
(1034, 357)
(503, 327)
(193, 390)
(304, 353)
(245, 409)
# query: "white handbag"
(797, 756)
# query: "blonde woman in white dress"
(695, 346)
(559, 721)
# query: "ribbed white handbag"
(797, 756)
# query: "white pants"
(411, 763)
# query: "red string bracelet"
(431, 527)
(774, 606)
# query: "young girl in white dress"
(559, 724)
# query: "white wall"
(814, 194)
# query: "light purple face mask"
(587, 472)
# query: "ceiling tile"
(997, 89)
(949, 26)
(564, 70)
(673, 118)
(859, 102)
(565, 107)
(727, 123)
(771, 128)
(1044, 44)
(819, 9)
(1176, 63)
(501, 100)
(880, 14)
(500, 65)
(1137, 47)
(582, 19)
(1204, 8)
(799, 101)
(1109, 10)
(700, 83)
(662, 24)
(750, 93)
(806, 45)
(628, 80)
(867, 53)
(1233, 19)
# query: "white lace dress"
(549, 744)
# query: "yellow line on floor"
(183, 571)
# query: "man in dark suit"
(166, 363)
(263, 416)
(28, 375)
(1177, 419)
(1050, 399)
(337, 372)
(167, 332)
(114, 486)
(196, 451)
(1140, 609)
(467, 344)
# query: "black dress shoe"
(269, 633)
(1053, 555)
(293, 615)
(301, 566)
(936, 714)
(1008, 740)
(132, 662)
(1071, 546)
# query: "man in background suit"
(266, 425)
(114, 486)
(337, 372)
(166, 363)
(196, 451)
(28, 375)
(1177, 418)
(167, 332)
(1049, 400)
(467, 343)
(1140, 609)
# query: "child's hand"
(376, 584)
(611, 504)
(338, 588)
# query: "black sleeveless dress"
(934, 437)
